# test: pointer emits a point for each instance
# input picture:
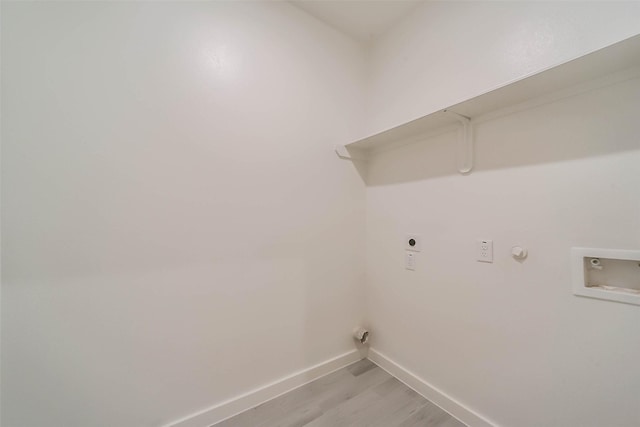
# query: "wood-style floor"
(360, 395)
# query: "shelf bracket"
(465, 149)
(342, 152)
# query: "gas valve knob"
(518, 252)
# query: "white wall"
(176, 229)
(448, 51)
(508, 339)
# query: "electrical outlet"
(410, 260)
(484, 251)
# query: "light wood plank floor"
(360, 395)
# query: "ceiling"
(361, 19)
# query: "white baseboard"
(431, 393)
(255, 397)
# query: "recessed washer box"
(607, 274)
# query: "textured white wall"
(176, 229)
(507, 339)
(449, 51)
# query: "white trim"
(255, 397)
(431, 393)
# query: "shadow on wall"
(597, 123)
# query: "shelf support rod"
(465, 149)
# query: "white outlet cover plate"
(484, 250)
(415, 248)
(410, 260)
